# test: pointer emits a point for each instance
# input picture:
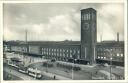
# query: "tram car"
(16, 63)
(34, 72)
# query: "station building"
(85, 51)
(111, 52)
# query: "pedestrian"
(96, 72)
(54, 77)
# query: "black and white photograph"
(64, 41)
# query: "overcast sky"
(58, 22)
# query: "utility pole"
(110, 52)
(72, 70)
(26, 35)
(26, 49)
(73, 65)
(101, 38)
(117, 36)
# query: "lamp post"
(73, 68)
(111, 68)
(47, 65)
(110, 64)
(72, 71)
(36, 73)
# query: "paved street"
(13, 71)
(77, 75)
(86, 72)
(8, 76)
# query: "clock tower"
(88, 34)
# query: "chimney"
(101, 38)
(117, 36)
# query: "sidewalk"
(58, 77)
(83, 67)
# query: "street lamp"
(36, 73)
(72, 71)
(72, 68)
(47, 65)
(111, 68)
(110, 63)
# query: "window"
(121, 55)
(111, 49)
(60, 54)
(78, 56)
(78, 51)
(57, 54)
(98, 57)
(70, 55)
(82, 17)
(70, 51)
(74, 51)
(118, 54)
(67, 55)
(88, 16)
(64, 55)
(85, 16)
(67, 50)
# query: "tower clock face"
(86, 26)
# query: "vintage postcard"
(67, 41)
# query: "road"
(85, 74)
(13, 71)
(8, 76)
(77, 75)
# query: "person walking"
(54, 77)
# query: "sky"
(60, 21)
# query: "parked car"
(53, 60)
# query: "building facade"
(85, 51)
(111, 52)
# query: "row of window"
(86, 17)
(106, 54)
(102, 57)
(109, 49)
(99, 57)
(60, 52)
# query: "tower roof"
(88, 9)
